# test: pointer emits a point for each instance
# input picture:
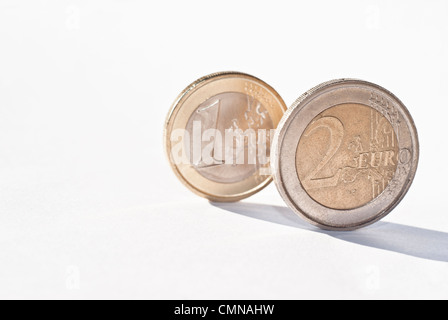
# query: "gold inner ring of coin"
(347, 156)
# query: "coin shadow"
(408, 240)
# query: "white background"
(89, 207)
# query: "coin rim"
(171, 116)
(280, 134)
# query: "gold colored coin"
(218, 133)
(345, 154)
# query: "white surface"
(89, 207)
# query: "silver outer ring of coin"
(291, 128)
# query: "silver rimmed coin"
(345, 154)
(218, 133)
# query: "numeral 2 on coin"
(336, 129)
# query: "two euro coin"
(345, 154)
